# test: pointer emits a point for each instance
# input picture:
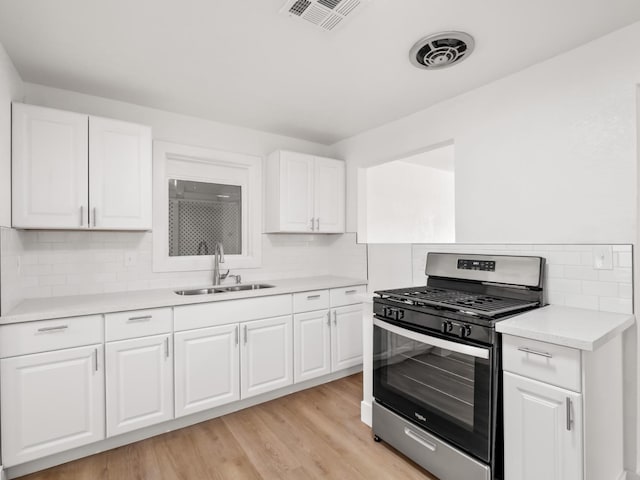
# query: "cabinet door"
(539, 442)
(296, 192)
(120, 175)
(329, 195)
(49, 168)
(139, 383)
(51, 402)
(207, 368)
(311, 345)
(266, 355)
(346, 337)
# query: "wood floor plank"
(313, 434)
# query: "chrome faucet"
(218, 258)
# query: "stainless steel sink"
(197, 291)
(240, 288)
(230, 288)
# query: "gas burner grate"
(477, 303)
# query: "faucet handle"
(237, 277)
(224, 275)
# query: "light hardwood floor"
(316, 433)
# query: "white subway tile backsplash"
(571, 278)
(625, 290)
(601, 289)
(581, 301)
(618, 305)
(580, 272)
(625, 259)
(57, 263)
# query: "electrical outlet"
(130, 258)
(603, 257)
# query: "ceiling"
(242, 62)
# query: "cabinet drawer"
(47, 335)
(212, 314)
(137, 323)
(308, 301)
(347, 295)
(546, 362)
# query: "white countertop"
(58, 307)
(571, 327)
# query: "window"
(203, 197)
(203, 214)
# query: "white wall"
(546, 155)
(409, 203)
(45, 264)
(172, 127)
(11, 87)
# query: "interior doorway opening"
(412, 199)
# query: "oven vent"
(326, 14)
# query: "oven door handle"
(476, 352)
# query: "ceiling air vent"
(326, 14)
(441, 50)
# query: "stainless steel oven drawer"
(438, 457)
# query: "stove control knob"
(465, 331)
(446, 327)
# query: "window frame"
(184, 162)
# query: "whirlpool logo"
(422, 418)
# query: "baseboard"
(365, 413)
(3, 475)
(175, 424)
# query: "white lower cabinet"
(207, 368)
(266, 356)
(562, 410)
(139, 383)
(543, 428)
(327, 341)
(51, 402)
(312, 344)
(346, 337)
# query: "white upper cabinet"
(120, 174)
(72, 171)
(50, 170)
(304, 194)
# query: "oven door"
(442, 385)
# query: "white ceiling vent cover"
(326, 14)
(441, 50)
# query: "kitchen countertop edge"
(30, 310)
(567, 326)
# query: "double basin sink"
(221, 289)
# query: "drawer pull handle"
(237, 335)
(329, 318)
(350, 292)
(312, 297)
(421, 441)
(95, 356)
(569, 419)
(53, 329)
(140, 319)
(246, 335)
(535, 352)
(166, 347)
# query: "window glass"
(202, 214)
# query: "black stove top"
(462, 301)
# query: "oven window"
(434, 376)
(444, 386)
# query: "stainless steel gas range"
(437, 363)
